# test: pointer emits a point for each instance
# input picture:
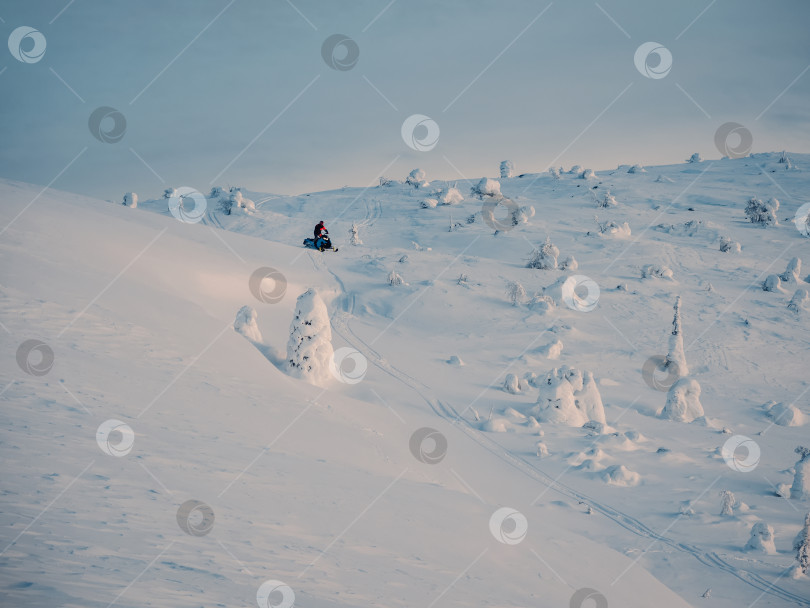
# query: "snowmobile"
(327, 244)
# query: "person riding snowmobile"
(321, 236)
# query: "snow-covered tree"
(522, 214)
(568, 396)
(515, 293)
(512, 384)
(487, 187)
(587, 174)
(354, 233)
(236, 202)
(728, 502)
(395, 279)
(792, 272)
(450, 196)
(761, 539)
(654, 271)
(309, 349)
(683, 401)
(772, 283)
(544, 257)
(245, 324)
(131, 199)
(729, 246)
(569, 263)
(799, 300)
(800, 489)
(612, 228)
(676, 359)
(575, 170)
(416, 178)
(507, 169)
(764, 213)
(695, 158)
(541, 303)
(169, 192)
(554, 172)
(802, 547)
(589, 400)
(608, 200)
(637, 169)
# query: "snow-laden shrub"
(544, 257)
(764, 213)
(683, 401)
(654, 271)
(169, 192)
(587, 174)
(386, 182)
(792, 272)
(799, 300)
(783, 414)
(568, 396)
(245, 324)
(522, 214)
(554, 172)
(354, 235)
(429, 203)
(130, 200)
(690, 228)
(416, 178)
(695, 158)
(553, 350)
(450, 196)
(772, 283)
(619, 475)
(801, 545)
(575, 170)
(515, 293)
(395, 279)
(507, 169)
(541, 303)
(569, 263)
(637, 169)
(729, 246)
(512, 384)
(487, 187)
(218, 192)
(761, 539)
(608, 200)
(309, 349)
(727, 503)
(664, 179)
(800, 490)
(236, 202)
(612, 229)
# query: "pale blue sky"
(564, 88)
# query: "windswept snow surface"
(381, 488)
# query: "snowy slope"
(317, 487)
